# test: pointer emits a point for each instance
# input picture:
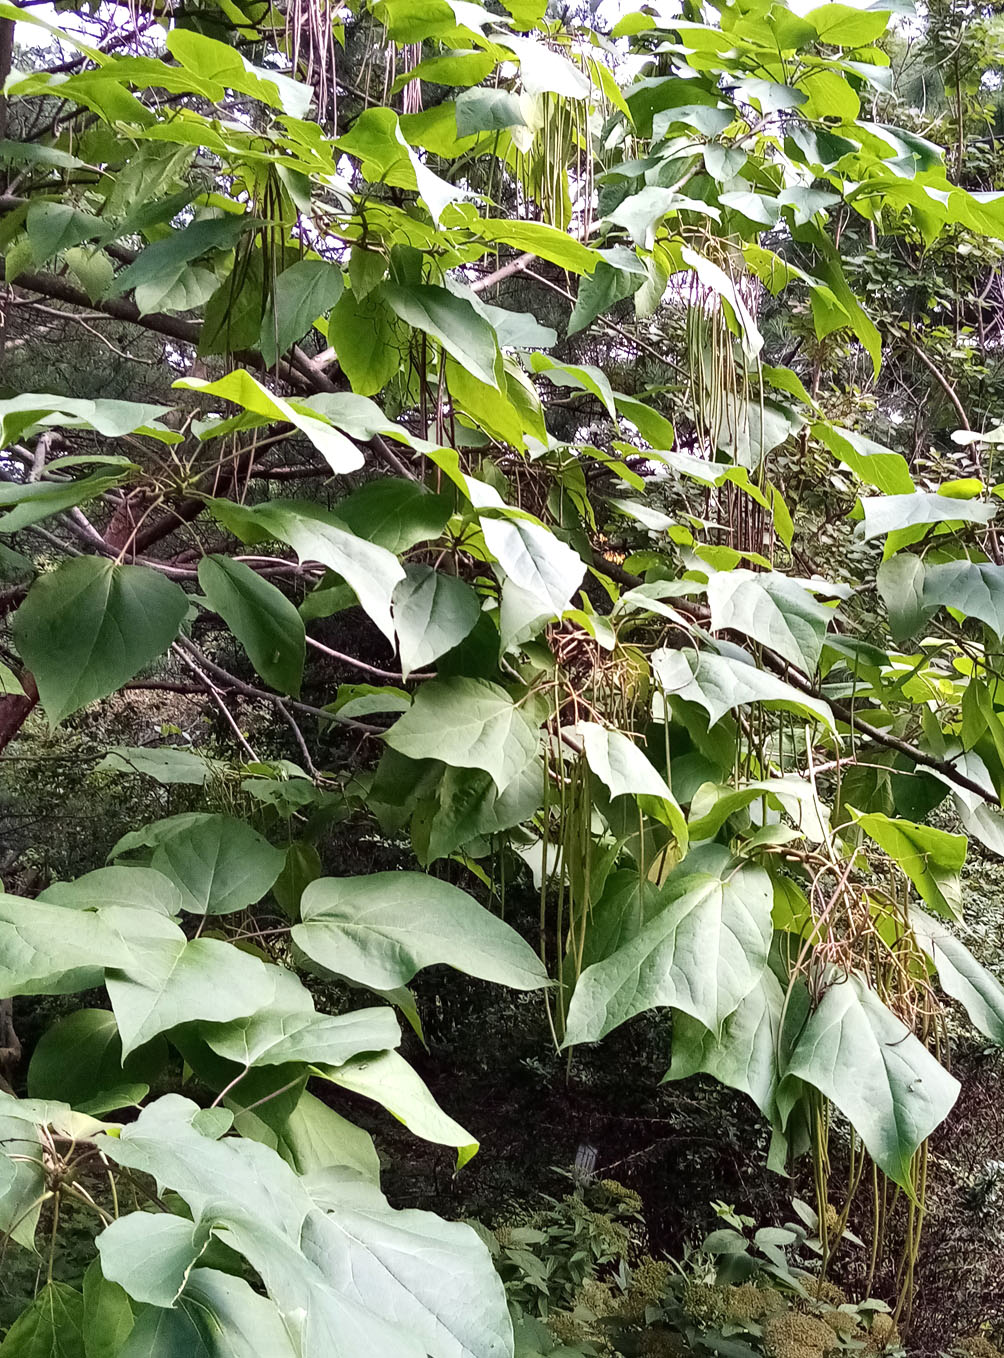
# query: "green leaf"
(36, 500)
(184, 982)
(379, 930)
(703, 952)
(366, 337)
(314, 1137)
(449, 319)
(744, 1057)
(168, 764)
(53, 227)
(395, 513)
(900, 582)
(932, 859)
(22, 1174)
(261, 618)
(542, 240)
(46, 950)
(720, 683)
(150, 1255)
(112, 419)
(134, 888)
(159, 266)
(108, 1317)
(469, 806)
(961, 976)
(468, 724)
(712, 804)
(340, 453)
(219, 864)
(218, 62)
(433, 612)
(487, 110)
(619, 763)
(79, 1059)
(892, 514)
(291, 1030)
(51, 1327)
(303, 864)
(301, 293)
(772, 609)
(92, 269)
(846, 25)
(973, 588)
(388, 1080)
(372, 571)
(542, 572)
(346, 1273)
(87, 627)
(217, 1316)
(876, 1072)
(599, 292)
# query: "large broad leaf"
(545, 570)
(340, 453)
(433, 612)
(261, 618)
(165, 763)
(290, 1029)
(51, 1327)
(744, 1056)
(372, 571)
(713, 803)
(216, 1316)
(772, 609)
(720, 683)
(379, 930)
(176, 981)
(627, 771)
(932, 859)
(961, 976)
(870, 1066)
(301, 293)
(368, 340)
(703, 952)
(900, 583)
(315, 1137)
(893, 513)
(395, 513)
(22, 1174)
(974, 588)
(134, 888)
(157, 268)
(469, 806)
(89, 625)
(390, 1081)
(150, 1254)
(79, 1059)
(468, 724)
(618, 762)
(46, 950)
(32, 501)
(871, 462)
(108, 1317)
(450, 320)
(346, 1273)
(218, 863)
(112, 419)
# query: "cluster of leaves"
(744, 1292)
(718, 773)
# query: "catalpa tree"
(414, 312)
